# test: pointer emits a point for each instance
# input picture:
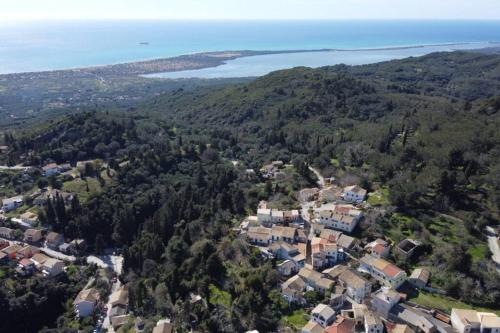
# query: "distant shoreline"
(199, 60)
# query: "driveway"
(107, 261)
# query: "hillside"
(421, 134)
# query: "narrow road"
(106, 323)
(321, 179)
(494, 248)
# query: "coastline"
(201, 60)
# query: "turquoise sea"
(47, 45)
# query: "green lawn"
(79, 187)
(479, 252)
(379, 197)
(445, 303)
(297, 319)
(218, 296)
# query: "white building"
(331, 219)
(52, 267)
(323, 315)
(373, 324)
(354, 193)
(12, 203)
(85, 302)
(382, 270)
(264, 216)
(471, 321)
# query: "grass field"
(379, 197)
(296, 320)
(445, 303)
(479, 252)
(79, 187)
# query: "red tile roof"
(391, 270)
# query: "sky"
(13, 10)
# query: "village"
(339, 283)
(29, 248)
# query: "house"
(341, 325)
(384, 300)
(51, 169)
(283, 251)
(337, 298)
(354, 193)
(12, 203)
(85, 302)
(293, 296)
(373, 324)
(417, 319)
(12, 250)
(471, 321)
(419, 277)
(383, 271)
(163, 326)
(407, 247)
(25, 267)
(291, 216)
(356, 313)
(119, 297)
(315, 280)
(323, 315)
(264, 216)
(331, 219)
(296, 282)
(53, 240)
(346, 242)
(399, 328)
(285, 234)
(39, 259)
(357, 287)
(277, 216)
(29, 218)
(379, 248)
(324, 253)
(312, 327)
(259, 236)
(287, 268)
(117, 310)
(27, 251)
(4, 244)
(52, 267)
(33, 235)
(6, 233)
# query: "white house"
(373, 324)
(264, 216)
(323, 315)
(384, 300)
(382, 270)
(85, 302)
(52, 267)
(357, 287)
(331, 219)
(471, 321)
(354, 193)
(12, 203)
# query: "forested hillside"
(424, 132)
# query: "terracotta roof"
(341, 325)
(392, 270)
(379, 248)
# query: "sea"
(30, 46)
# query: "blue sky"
(249, 9)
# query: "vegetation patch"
(296, 319)
(219, 297)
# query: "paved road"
(494, 248)
(15, 168)
(107, 261)
(106, 324)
